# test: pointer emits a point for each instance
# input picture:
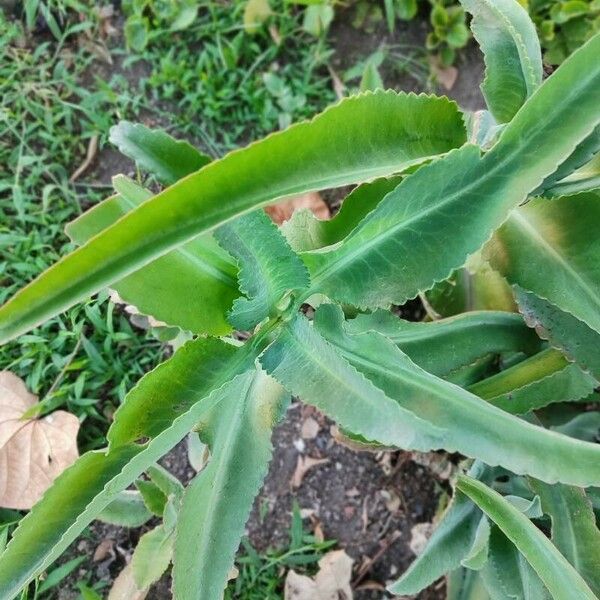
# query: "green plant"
(427, 199)
(564, 26)
(147, 19)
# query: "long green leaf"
(157, 152)
(507, 575)
(191, 287)
(82, 492)
(217, 502)
(554, 237)
(302, 361)
(511, 51)
(445, 211)
(441, 347)
(269, 268)
(582, 155)
(453, 537)
(561, 579)
(363, 137)
(573, 337)
(536, 382)
(574, 529)
(175, 386)
(469, 424)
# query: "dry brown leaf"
(284, 210)
(332, 582)
(304, 464)
(92, 150)
(33, 452)
(104, 550)
(419, 536)
(310, 429)
(338, 87)
(124, 587)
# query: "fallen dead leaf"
(310, 429)
(304, 464)
(438, 464)
(284, 210)
(124, 587)
(446, 76)
(33, 452)
(92, 150)
(332, 582)
(391, 499)
(420, 534)
(338, 87)
(103, 550)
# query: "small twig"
(92, 150)
(368, 564)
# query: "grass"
(261, 576)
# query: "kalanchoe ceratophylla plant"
(515, 191)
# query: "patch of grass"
(224, 86)
(86, 359)
(261, 576)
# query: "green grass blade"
(363, 137)
(269, 268)
(511, 51)
(448, 209)
(559, 576)
(558, 237)
(217, 502)
(443, 346)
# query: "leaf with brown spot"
(283, 211)
(33, 452)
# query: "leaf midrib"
(521, 221)
(481, 179)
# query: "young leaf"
(446, 210)
(152, 556)
(441, 347)
(561, 579)
(571, 336)
(511, 51)
(191, 287)
(269, 268)
(535, 382)
(363, 137)
(507, 575)
(126, 510)
(468, 424)
(217, 502)
(156, 152)
(449, 544)
(305, 232)
(574, 529)
(554, 236)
